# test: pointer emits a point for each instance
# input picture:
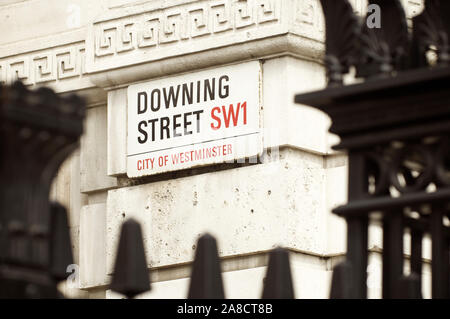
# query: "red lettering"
(175, 158)
(216, 118)
(244, 106)
(231, 114)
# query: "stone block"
(66, 188)
(93, 246)
(287, 123)
(248, 209)
(93, 156)
(66, 15)
(117, 132)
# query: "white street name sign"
(195, 119)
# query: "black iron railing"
(395, 127)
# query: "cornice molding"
(153, 39)
(57, 61)
(183, 29)
(48, 65)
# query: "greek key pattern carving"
(182, 23)
(45, 66)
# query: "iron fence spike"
(61, 244)
(206, 278)
(278, 281)
(341, 282)
(131, 275)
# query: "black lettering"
(210, 89)
(188, 93)
(176, 125)
(139, 109)
(187, 123)
(143, 132)
(198, 119)
(152, 105)
(152, 123)
(223, 88)
(171, 96)
(165, 121)
(198, 91)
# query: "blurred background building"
(100, 48)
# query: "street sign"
(195, 119)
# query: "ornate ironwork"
(343, 30)
(383, 49)
(430, 34)
(396, 132)
(373, 51)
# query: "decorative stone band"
(45, 66)
(181, 29)
(181, 23)
(201, 34)
(195, 27)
